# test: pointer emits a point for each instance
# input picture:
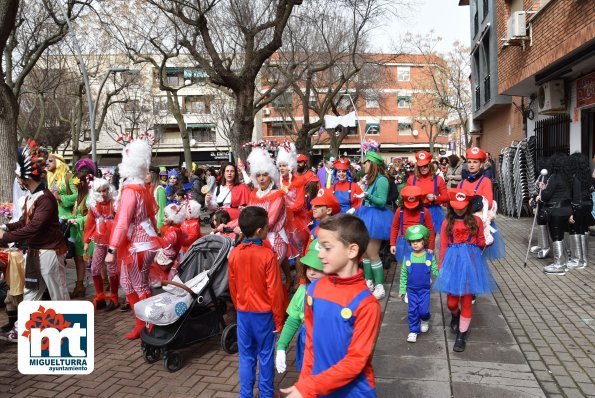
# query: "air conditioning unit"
(550, 98)
(517, 25)
(266, 111)
(317, 152)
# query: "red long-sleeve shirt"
(460, 234)
(99, 223)
(359, 353)
(255, 281)
(426, 183)
(190, 232)
(411, 217)
(484, 189)
(355, 190)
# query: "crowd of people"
(307, 259)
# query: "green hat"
(417, 232)
(311, 258)
(374, 157)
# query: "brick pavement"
(551, 317)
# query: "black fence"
(553, 135)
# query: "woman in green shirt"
(158, 191)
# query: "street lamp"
(94, 108)
(359, 126)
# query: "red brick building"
(392, 112)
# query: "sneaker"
(11, 336)
(412, 338)
(425, 326)
(406, 299)
(474, 298)
(555, 269)
(370, 284)
(379, 292)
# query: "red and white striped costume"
(135, 237)
(98, 228)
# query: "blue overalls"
(343, 197)
(434, 209)
(403, 249)
(331, 336)
(256, 340)
(418, 292)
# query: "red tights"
(466, 305)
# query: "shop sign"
(585, 90)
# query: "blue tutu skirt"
(403, 249)
(496, 250)
(437, 217)
(377, 221)
(464, 271)
(300, 347)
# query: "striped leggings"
(99, 254)
(134, 276)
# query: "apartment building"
(390, 112)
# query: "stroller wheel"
(229, 339)
(172, 361)
(151, 354)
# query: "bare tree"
(231, 41)
(446, 78)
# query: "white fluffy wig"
(193, 209)
(175, 213)
(288, 157)
(94, 196)
(136, 159)
(260, 162)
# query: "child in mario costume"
(347, 192)
(463, 270)
(411, 213)
(295, 312)
(342, 318)
(324, 205)
(257, 294)
(416, 280)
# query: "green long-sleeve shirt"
(66, 201)
(377, 193)
(161, 198)
(295, 310)
(405, 272)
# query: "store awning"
(200, 126)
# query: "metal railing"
(553, 135)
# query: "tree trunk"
(244, 120)
(9, 112)
(303, 143)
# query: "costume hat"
(325, 197)
(311, 258)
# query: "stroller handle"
(180, 285)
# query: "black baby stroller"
(193, 306)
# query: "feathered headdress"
(287, 154)
(136, 159)
(30, 164)
(260, 160)
(175, 213)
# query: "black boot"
(460, 342)
(12, 318)
(454, 323)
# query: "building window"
(404, 101)
(405, 129)
(372, 100)
(172, 79)
(202, 133)
(282, 101)
(372, 128)
(87, 135)
(132, 105)
(312, 101)
(280, 129)
(160, 105)
(196, 104)
(403, 73)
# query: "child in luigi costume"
(376, 216)
(295, 312)
(416, 280)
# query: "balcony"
(486, 89)
(477, 97)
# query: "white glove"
(361, 195)
(351, 211)
(280, 361)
